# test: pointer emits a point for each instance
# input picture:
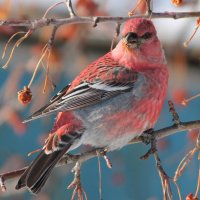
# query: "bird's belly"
(115, 122)
(94, 119)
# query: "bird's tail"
(38, 172)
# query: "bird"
(113, 100)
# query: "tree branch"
(149, 11)
(72, 159)
(178, 126)
(70, 8)
(39, 23)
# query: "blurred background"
(75, 47)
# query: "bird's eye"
(147, 35)
(131, 37)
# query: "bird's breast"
(115, 121)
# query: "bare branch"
(175, 116)
(45, 52)
(72, 159)
(39, 23)
(2, 184)
(149, 10)
(186, 101)
(186, 160)
(76, 184)
(70, 8)
(52, 38)
(100, 175)
(198, 185)
(164, 178)
(165, 181)
(51, 7)
(117, 32)
(170, 130)
(178, 126)
(19, 41)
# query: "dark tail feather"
(37, 173)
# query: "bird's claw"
(149, 138)
(151, 151)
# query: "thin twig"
(183, 164)
(53, 85)
(51, 7)
(19, 41)
(164, 178)
(149, 10)
(185, 44)
(46, 51)
(49, 46)
(178, 190)
(100, 175)
(33, 152)
(186, 160)
(167, 192)
(104, 155)
(70, 8)
(2, 184)
(186, 101)
(117, 32)
(198, 185)
(47, 71)
(37, 66)
(8, 42)
(52, 37)
(175, 116)
(76, 183)
(132, 12)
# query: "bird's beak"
(132, 42)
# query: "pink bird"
(113, 100)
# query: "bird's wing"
(43, 111)
(114, 80)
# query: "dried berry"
(177, 2)
(198, 22)
(24, 96)
(191, 197)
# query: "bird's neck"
(145, 57)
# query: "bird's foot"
(149, 138)
(151, 151)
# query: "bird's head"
(137, 33)
(139, 43)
